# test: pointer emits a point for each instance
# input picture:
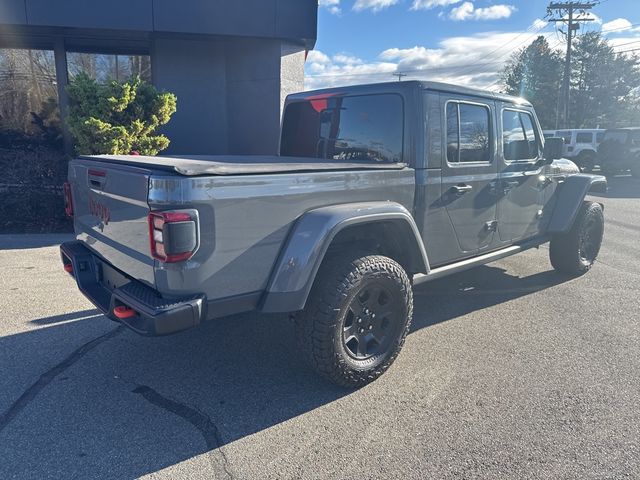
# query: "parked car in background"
(619, 152)
(377, 188)
(580, 145)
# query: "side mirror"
(553, 149)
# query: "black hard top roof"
(411, 85)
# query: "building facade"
(231, 63)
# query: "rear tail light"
(173, 236)
(68, 199)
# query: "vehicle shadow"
(152, 403)
(81, 315)
(23, 242)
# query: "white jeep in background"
(580, 145)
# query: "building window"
(28, 91)
(108, 67)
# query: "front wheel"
(575, 252)
(357, 318)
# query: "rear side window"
(519, 136)
(357, 128)
(584, 137)
(599, 137)
(619, 136)
(468, 133)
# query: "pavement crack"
(618, 269)
(201, 421)
(46, 378)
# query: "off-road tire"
(575, 252)
(320, 327)
(587, 162)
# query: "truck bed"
(196, 165)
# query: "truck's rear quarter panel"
(245, 220)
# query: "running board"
(476, 261)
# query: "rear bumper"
(108, 288)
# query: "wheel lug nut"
(370, 327)
(359, 320)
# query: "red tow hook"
(123, 312)
(68, 267)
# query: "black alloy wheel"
(372, 320)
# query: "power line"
(626, 43)
(416, 70)
(497, 82)
(530, 30)
(628, 51)
(463, 68)
(626, 27)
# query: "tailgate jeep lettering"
(99, 210)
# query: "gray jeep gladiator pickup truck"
(377, 188)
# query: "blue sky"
(459, 41)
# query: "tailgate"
(110, 214)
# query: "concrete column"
(194, 70)
(260, 73)
(292, 60)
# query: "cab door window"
(468, 133)
(520, 140)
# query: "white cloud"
(619, 24)
(375, 5)
(539, 24)
(344, 59)
(475, 61)
(427, 4)
(333, 6)
(467, 11)
(316, 56)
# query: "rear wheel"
(357, 318)
(575, 252)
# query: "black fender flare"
(310, 238)
(569, 197)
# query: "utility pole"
(566, 13)
(399, 75)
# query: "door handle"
(461, 189)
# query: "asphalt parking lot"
(511, 371)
